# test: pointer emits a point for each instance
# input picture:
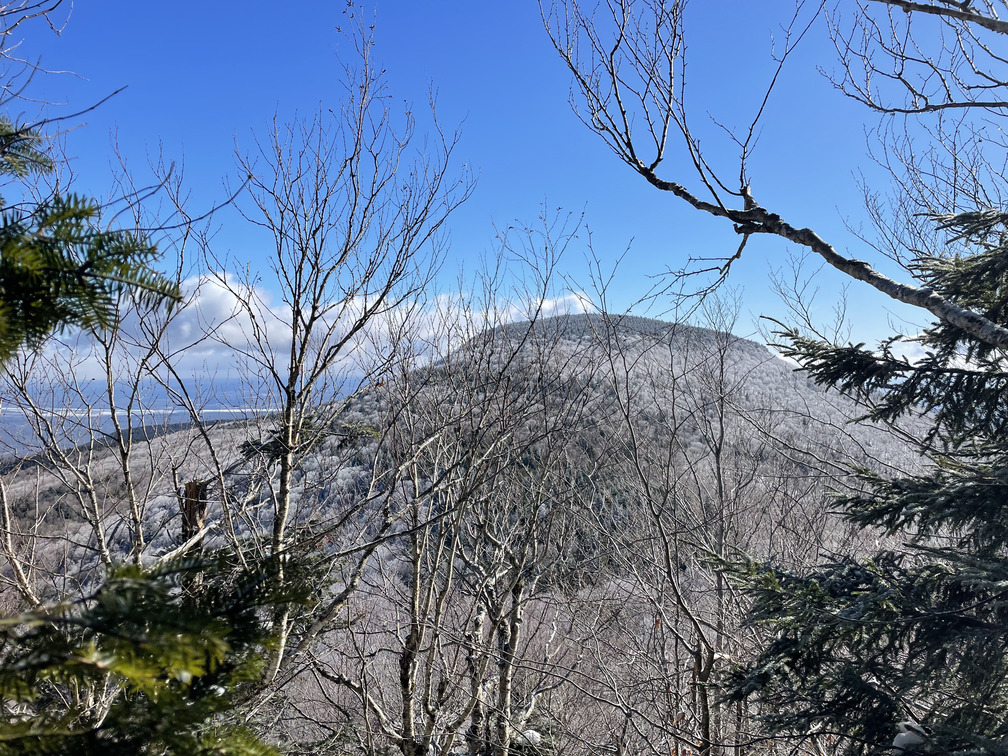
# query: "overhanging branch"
(959, 13)
(758, 220)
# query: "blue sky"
(203, 77)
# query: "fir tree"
(144, 665)
(908, 649)
(58, 268)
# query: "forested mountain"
(513, 545)
(439, 522)
(673, 382)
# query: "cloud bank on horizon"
(228, 331)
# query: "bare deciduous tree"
(710, 463)
(352, 206)
(449, 636)
(928, 60)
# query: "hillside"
(667, 381)
(527, 530)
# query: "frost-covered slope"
(673, 395)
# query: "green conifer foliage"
(147, 664)
(58, 268)
(916, 634)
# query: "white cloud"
(225, 330)
(908, 348)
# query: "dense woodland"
(462, 524)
